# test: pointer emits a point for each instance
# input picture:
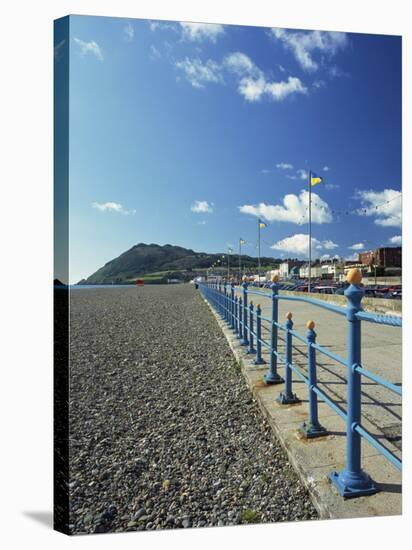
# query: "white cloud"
(357, 246)
(252, 83)
(253, 89)
(58, 49)
(397, 239)
(241, 64)
(154, 52)
(305, 44)
(202, 222)
(128, 32)
(326, 168)
(198, 32)
(89, 47)
(325, 257)
(299, 244)
(199, 73)
(329, 245)
(352, 257)
(162, 25)
(303, 175)
(331, 186)
(385, 206)
(202, 207)
(284, 166)
(294, 209)
(112, 207)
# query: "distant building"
(315, 272)
(330, 271)
(288, 268)
(385, 257)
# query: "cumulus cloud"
(305, 45)
(357, 246)
(385, 206)
(352, 257)
(197, 32)
(112, 207)
(90, 47)
(397, 239)
(162, 25)
(294, 209)
(128, 32)
(202, 207)
(302, 174)
(58, 48)
(299, 244)
(199, 73)
(284, 166)
(253, 85)
(326, 168)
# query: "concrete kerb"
(314, 459)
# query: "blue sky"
(188, 133)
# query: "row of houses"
(335, 269)
(287, 270)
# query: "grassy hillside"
(156, 264)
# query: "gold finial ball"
(289, 315)
(310, 325)
(354, 276)
(275, 278)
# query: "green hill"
(156, 263)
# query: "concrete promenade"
(381, 408)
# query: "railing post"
(272, 377)
(244, 341)
(258, 360)
(251, 348)
(240, 309)
(353, 481)
(235, 330)
(312, 428)
(225, 302)
(232, 305)
(287, 397)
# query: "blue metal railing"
(245, 319)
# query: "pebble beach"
(164, 432)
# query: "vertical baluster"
(244, 341)
(287, 397)
(312, 428)
(273, 377)
(232, 305)
(251, 348)
(258, 360)
(240, 326)
(353, 481)
(235, 330)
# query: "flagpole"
(259, 252)
(240, 259)
(310, 230)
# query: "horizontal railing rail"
(236, 307)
